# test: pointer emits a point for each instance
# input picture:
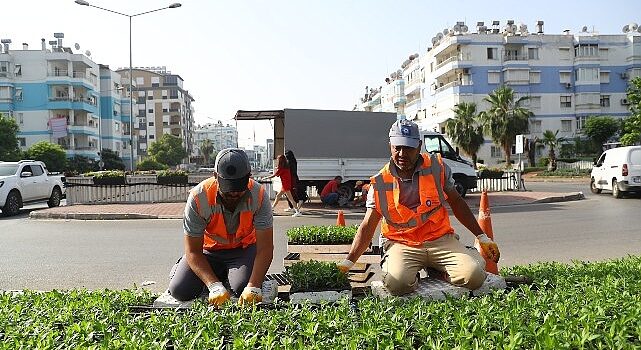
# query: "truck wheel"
(593, 187)
(54, 200)
(616, 193)
(462, 191)
(12, 205)
(345, 194)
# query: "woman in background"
(299, 193)
(283, 172)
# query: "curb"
(571, 197)
(92, 216)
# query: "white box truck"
(352, 144)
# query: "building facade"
(567, 77)
(221, 136)
(53, 94)
(161, 106)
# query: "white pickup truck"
(28, 181)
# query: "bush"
(566, 172)
(321, 234)
(150, 164)
(490, 173)
(109, 177)
(49, 153)
(543, 162)
(316, 276)
(171, 177)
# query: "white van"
(462, 169)
(619, 170)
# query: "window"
(603, 53)
(605, 101)
(155, 81)
(535, 77)
(117, 126)
(533, 53)
(151, 137)
(586, 74)
(4, 68)
(565, 77)
(150, 111)
(535, 102)
(36, 170)
(566, 101)
(140, 81)
(492, 53)
(18, 93)
(580, 122)
(535, 126)
(495, 152)
(17, 71)
(173, 93)
(493, 77)
(566, 125)
(564, 53)
(171, 80)
(22, 141)
(604, 77)
(21, 118)
(151, 123)
(586, 50)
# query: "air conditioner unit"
(625, 102)
(568, 85)
(624, 75)
(466, 71)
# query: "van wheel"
(462, 191)
(54, 200)
(615, 189)
(345, 194)
(13, 204)
(593, 187)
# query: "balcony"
(451, 63)
(515, 57)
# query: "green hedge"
(321, 234)
(571, 306)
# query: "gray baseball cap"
(232, 170)
(404, 133)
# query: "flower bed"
(109, 177)
(577, 306)
(171, 177)
(333, 235)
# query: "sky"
(256, 55)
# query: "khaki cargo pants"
(401, 264)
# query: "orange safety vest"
(216, 236)
(430, 220)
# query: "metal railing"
(510, 181)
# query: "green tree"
(9, 150)
(464, 129)
(150, 164)
(112, 160)
(600, 129)
(206, 148)
(631, 132)
(51, 154)
(80, 165)
(552, 140)
(505, 119)
(168, 150)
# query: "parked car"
(28, 181)
(619, 170)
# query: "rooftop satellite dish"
(439, 36)
(445, 31)
(77, 46)
(626, 28)
(464, 28)
(633, 26)
(434, 41)
(457, 28)
(393, 75)
(88, 53)
(584, 29)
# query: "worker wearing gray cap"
(228, 235)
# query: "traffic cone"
(485, 221)
(340, 219)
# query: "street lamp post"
(131, 95)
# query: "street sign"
(520, 142)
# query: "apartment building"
(114, 115)
(221, 136)
(53, 94)
(567, 77)
(161, 106)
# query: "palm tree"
(552, 140)
(505, 118)
(465, 130)
(206, 148)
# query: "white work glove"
(218, 294)
(489, 249)
(345, 266)
(251, 295)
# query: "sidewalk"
(175, 210)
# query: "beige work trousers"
(401, 264)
